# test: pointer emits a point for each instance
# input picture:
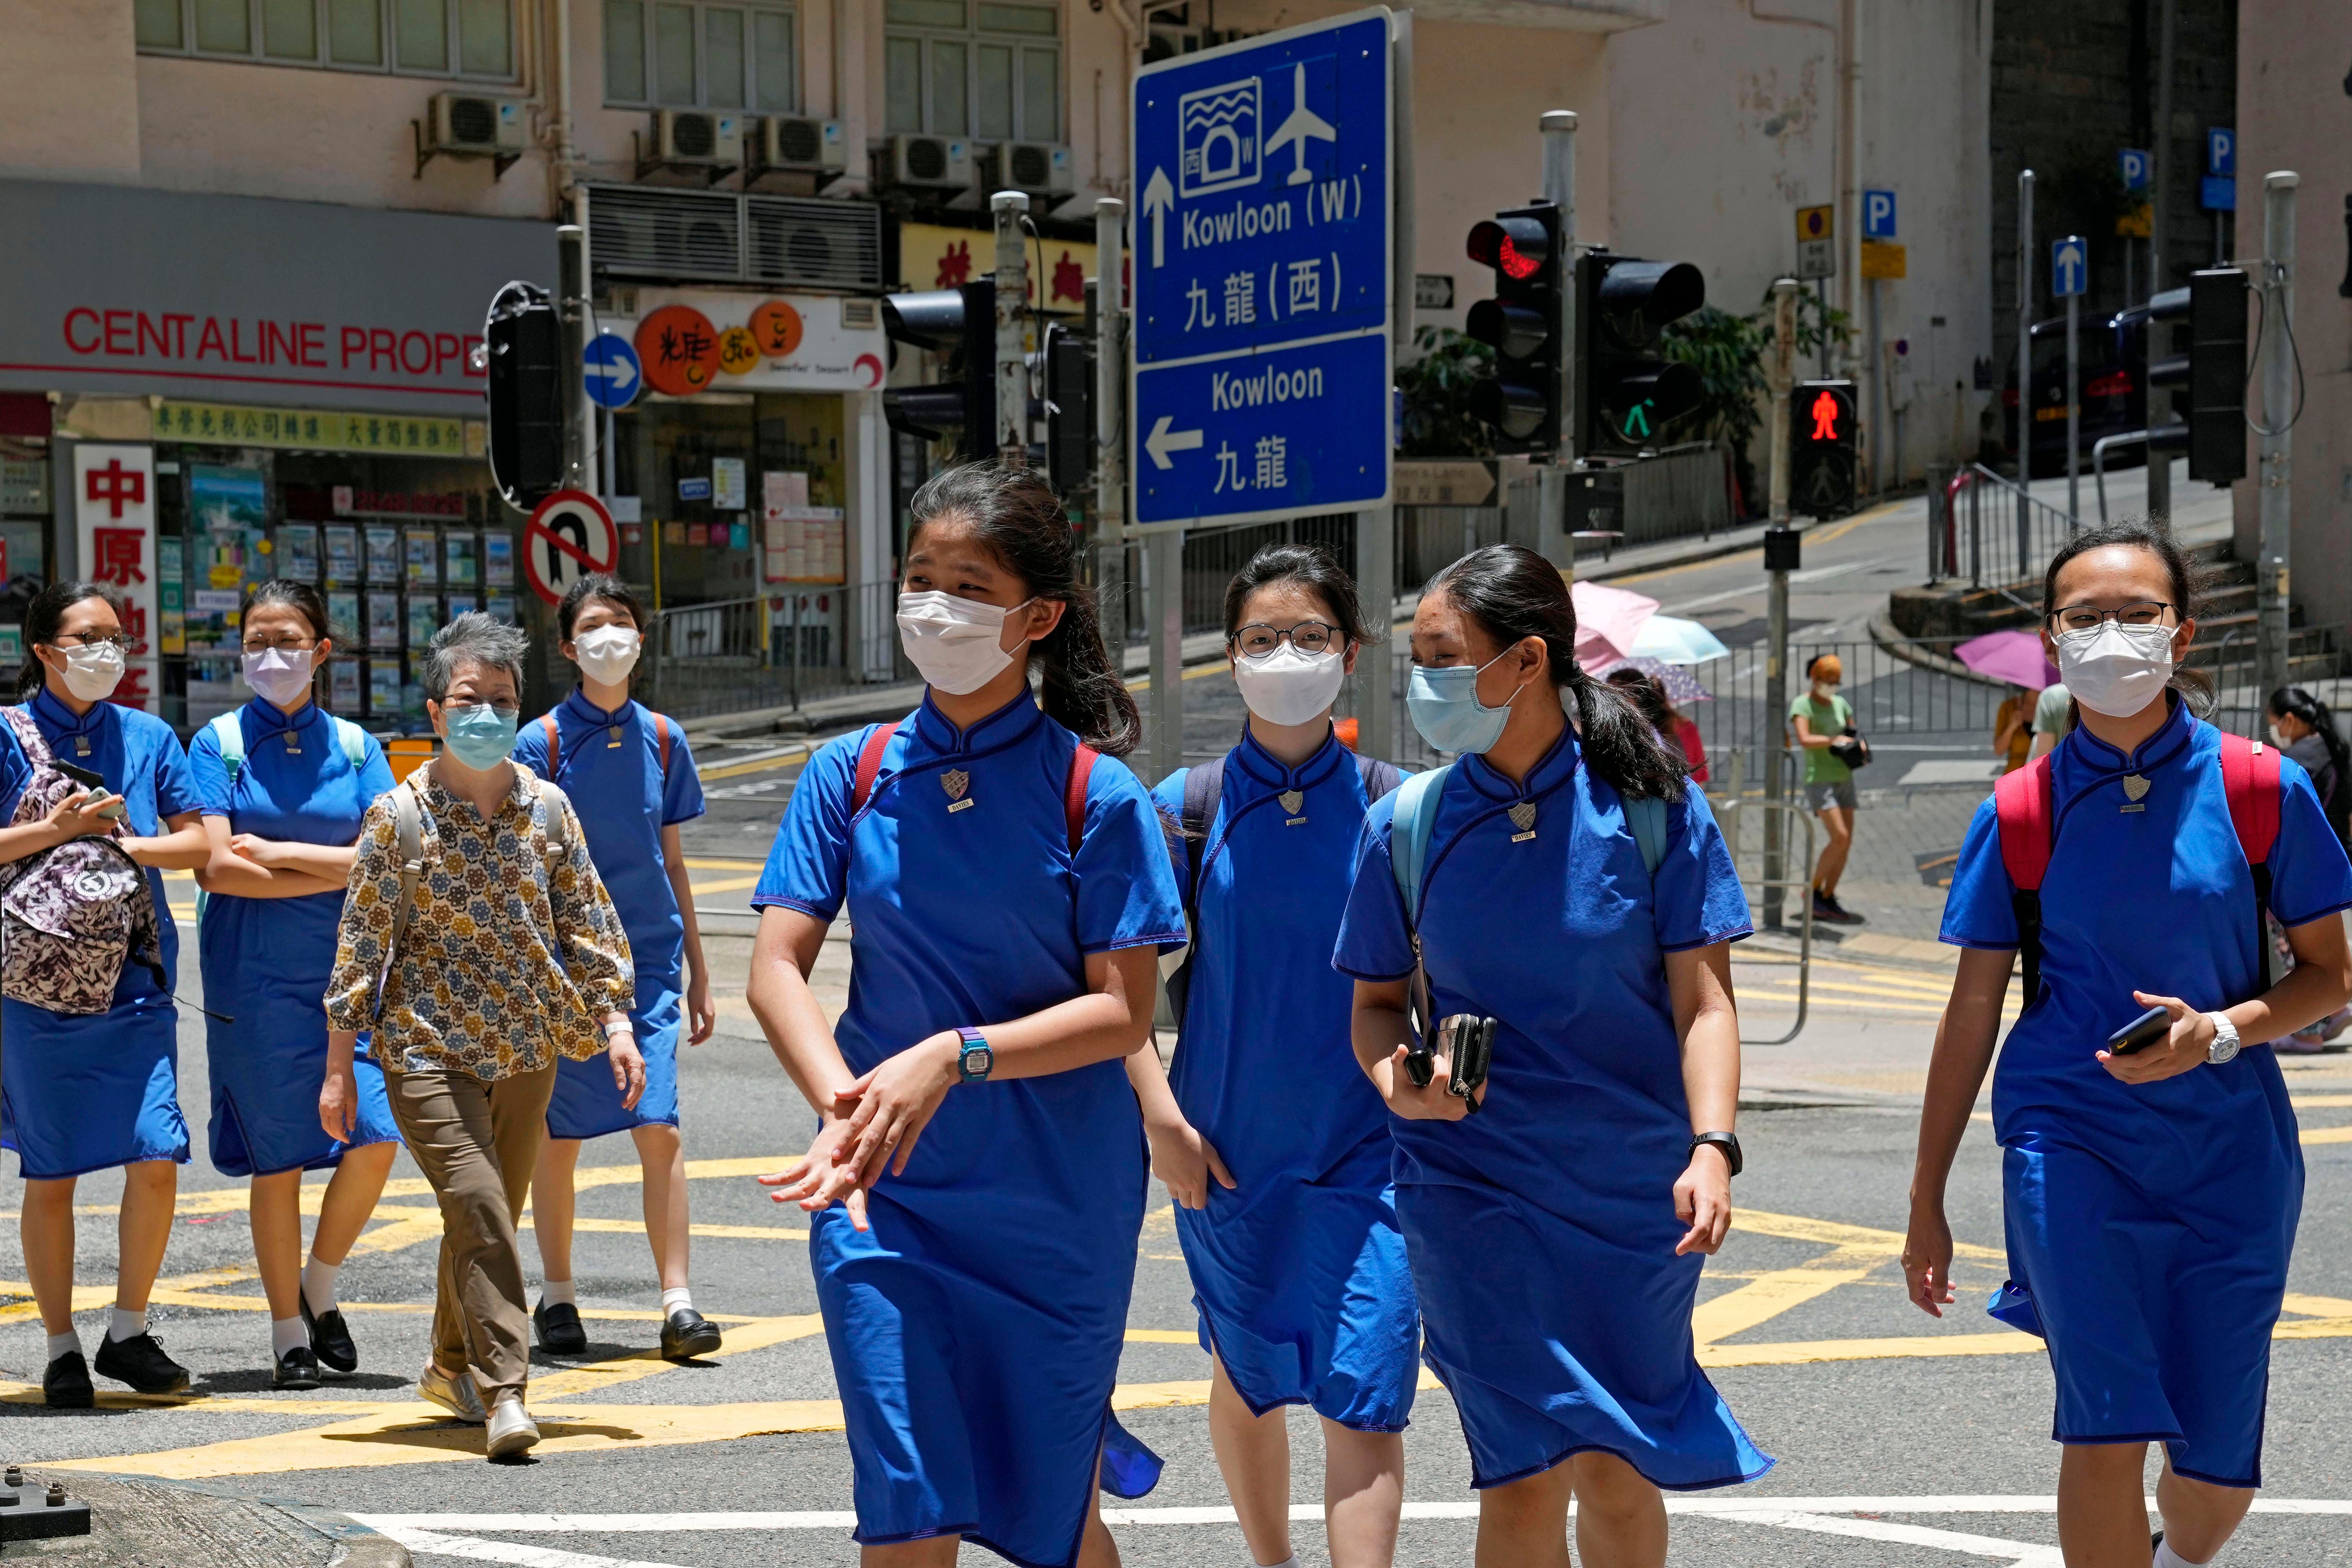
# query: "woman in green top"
(1821, 716)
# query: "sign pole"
(2025, 263)
(1009, 207)
(571, 309)
(1559, 127)
(2276, 432)
(1165, 596)
(1779, 555)
(1110, 449)
(2160, 159)
(2074, 410)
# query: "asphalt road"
(1892, 1431)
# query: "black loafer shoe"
(686, 1332)
(65, 1385)
(559, 1332)
(331, 1338)
(298, 1368)
(140, 1362)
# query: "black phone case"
(2141, 1036)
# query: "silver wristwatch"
(2225, 1040)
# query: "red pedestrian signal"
(1825, 416)
(1821, 456)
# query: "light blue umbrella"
(1670, 639)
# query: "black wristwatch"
(1727, 1142)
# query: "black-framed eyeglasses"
(2090, 617)
(1257, 639)
(86, 640)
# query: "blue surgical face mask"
(1446, 709)
(479, 735)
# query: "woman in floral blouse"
(511, 957)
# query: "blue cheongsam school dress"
(2148, 1225)
(266, 961)
(87, 1092)
(1298, 1272)
(1542, 1230)
(976, 1327)
(611, 764)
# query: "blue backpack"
(1416, 816)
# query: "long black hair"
(1310, 567)
(1647, 695)
(2187, 579)
(2294, 700)
(42, 618)
(1014, 514)
(1515, 593)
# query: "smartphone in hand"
(95, 784)
(2142, 1032)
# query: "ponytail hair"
(43, 616)
(2294, 700)
(1015, 514)
(1514, 594)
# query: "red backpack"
(2026, 815)
(1073, 789)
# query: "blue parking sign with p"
(1878, 215)
(2135, 163)
(2221, 150)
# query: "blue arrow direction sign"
(614, 374)
(2069, 265)
(1262, 276)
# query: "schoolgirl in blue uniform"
(1274, 1147)
(83, 1092)
(1556, 1235)
(284, 786)
(631, 773)
(1009, 891)
(2150, 1197)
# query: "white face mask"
(608, 653)
(954, 643)
(94, 672)
(2115, 669)
(1287, 687)
(282, 676)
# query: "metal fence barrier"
(778, 649)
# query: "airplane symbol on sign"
(1303, 123)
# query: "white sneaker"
(456, 1394)
(511, 1428)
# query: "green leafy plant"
(1436, 388)
(1728, 352)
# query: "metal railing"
(1983, 529)
(793, 645)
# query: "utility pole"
(1558, 127)
(1110, 449)
(2073, 404)
(1009, 208)
(1779, 560)
(2276, 431)
(572, 310)
(2160, 171)
(2024, 368)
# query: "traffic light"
(1624, 397)
(1069, 409)
(962, 324)
(523, 354)
(1822, 442)
(2213, 373)
(1522, 324)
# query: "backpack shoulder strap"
(2025, 817)
(1205, 785)
(408, 831)
(661, 744)
(869, 764)
(1074, 793)
(1416, 815)
(229, 736)
(353, 740)
(554, 743)
(1646, 815)
(1379, 775)
(2250, 776)
(558, 823)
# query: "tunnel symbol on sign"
(1217, 138)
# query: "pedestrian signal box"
(1822, 445)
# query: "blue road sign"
(2070, 265)
(1878, 215)
(2221, 150)
(2137, 164)
(2217, 193)
(1262, 264)
(614, 374)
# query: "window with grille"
(687, 54)
(472, 39)
(972, 68)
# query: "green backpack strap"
(353, 740)
(1646, 815)
(229, 736)
(1416, 816)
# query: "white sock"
(551, 1291)
(1289, 1562)
(319, 1286)
(2165, 1557)
(127, 1325)
(674, 1300)
(286, 1334)
(65, 1344)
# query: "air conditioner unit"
(1041, 168)
(942, 163)
(791, 142)
(466, 123)
(692, 136)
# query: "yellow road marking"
(1759, 1300)
(1832, 1233)
(732, 885)
(696, 863)
(2008, 1341)
(1163, 1337)
(765, 764)
(597, 1376)
(2327, 1135)
(2321, 1102)
(1815, 536)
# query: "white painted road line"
(425, 1543)
(2024, 1553)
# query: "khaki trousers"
(476, 1143)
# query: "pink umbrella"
(1607, 621)
(2015, 657)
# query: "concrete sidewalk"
(137, 1523)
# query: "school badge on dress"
(2135, 787)
(1523, 817)
(1294, 801)
(955, 781)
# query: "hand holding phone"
(2150, 1028)
(93, 785)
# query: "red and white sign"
(114, 525)
(570, 535)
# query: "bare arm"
(1955, 1072)
(701, 1016)
(2018, 719)
(327, 863)
(72, 817)
(1182, 1155)
(183, 845)
(230, 872)
(1380, 1033)
(1805, 736)
(1698, 983)
(2316, 986)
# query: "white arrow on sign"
(1162, 441)
(1159, 195)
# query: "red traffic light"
(1824, 415)
(1518, 247)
